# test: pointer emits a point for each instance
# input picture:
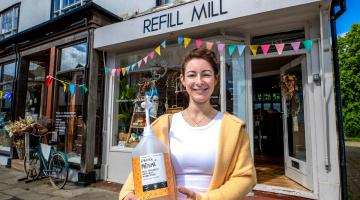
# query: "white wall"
(33, 13)
(122, 7)
(7, 3)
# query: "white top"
(193, 152)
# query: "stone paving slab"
(12, 189)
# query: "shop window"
(35, 95)
(62, 6)
(129, 118)
(235, 85)
(9, 19)
(69, 108)
(7, 76)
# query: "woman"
(210, 150)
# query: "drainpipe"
(333, 17)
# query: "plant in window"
(126, 92)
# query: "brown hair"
(201, 53)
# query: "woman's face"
(199, 80)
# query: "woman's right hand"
(131, 196)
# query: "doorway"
(278, 160)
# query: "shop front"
(275, 74)
(52, 75)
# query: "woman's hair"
(201, 53)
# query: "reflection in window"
(9, 21)
(63, 6)
(7, 75)
(235, 85)
(73, 57)
(35, 96)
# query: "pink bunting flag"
(139, 63)
(118, 70)
(220, 47)
(209, 45)
(198, 43)
(113, 71)
(265, 48)
(145, 59)
(280, 48)
(152, 54)
(295, 46)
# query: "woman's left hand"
(190, 195)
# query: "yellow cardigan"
(234, 172)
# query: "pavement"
(12, 189)
(353, 169)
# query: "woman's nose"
(198, 79)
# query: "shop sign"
(206, 10)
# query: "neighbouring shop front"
(275, 74)
(52, 75)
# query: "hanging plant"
(288, 84)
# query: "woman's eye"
(191, 75)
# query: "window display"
(7, 76)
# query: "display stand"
(137, 123)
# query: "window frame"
(15, 23)
(62, 9)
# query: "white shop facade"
(293, 138)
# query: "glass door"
(296, 142)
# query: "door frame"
(250, 126)
(304, 174)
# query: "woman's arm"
(243, 177)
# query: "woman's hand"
(190, 195)
(131, 196)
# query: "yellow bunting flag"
(253, 49)
(157, 50)
(123, 71)
(64, 84)
(187, 42)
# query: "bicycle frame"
(44, 163)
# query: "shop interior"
(268, 122)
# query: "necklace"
(196, 123)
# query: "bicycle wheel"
(33, 167)
(58, 171)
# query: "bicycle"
(56, 167)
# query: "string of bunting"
(5, 95)
(49, 79)
(220, 47)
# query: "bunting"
(187, 42)
(253, 49)
(5, 95)
(279, 48)
(49, 79)
(209, 45)
(231, 48)
(198, 43)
